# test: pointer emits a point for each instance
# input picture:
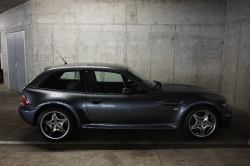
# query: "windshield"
(144, 80)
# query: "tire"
(55, 124)
(201, 122)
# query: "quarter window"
(73, 75)
(65, 81)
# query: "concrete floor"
(21, 144)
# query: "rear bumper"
(27, 113)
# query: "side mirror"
(126, 91)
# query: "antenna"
(59, 54)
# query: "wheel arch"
(190, 107)
(58, 105)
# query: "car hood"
(185, 88)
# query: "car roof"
(87, 65)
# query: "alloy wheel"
(54, 125)
(202, 123)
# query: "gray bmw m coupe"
(111, 96)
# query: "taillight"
(25, 100)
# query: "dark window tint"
(67, 81)
(144, 80)
(134, 86)
(72, 75)
(104, 82)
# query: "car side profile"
(112, 96)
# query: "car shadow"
(138, 140)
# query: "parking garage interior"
(197, 42)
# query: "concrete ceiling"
(8, 4)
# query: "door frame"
(7, 55)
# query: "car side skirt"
(128, 126)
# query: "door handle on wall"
(16, 65)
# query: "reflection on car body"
(111, 96)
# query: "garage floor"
(21, 144)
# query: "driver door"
(107, 104)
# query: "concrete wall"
(236, 68)
(15, 20)
(180, 41)
(198, 42)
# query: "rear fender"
(40, 106)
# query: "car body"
(112, 96)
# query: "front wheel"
(201, 123)
(55, 124)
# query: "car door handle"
(96, 101)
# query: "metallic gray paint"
(163, 108)
(121, 108)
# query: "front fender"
(186, 108)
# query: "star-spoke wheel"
(202, 123)
(54, 125)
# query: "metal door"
(106, 104)
(11, 51)
(16, 60)
(20, 57)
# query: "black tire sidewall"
(185, 124)
(52, 109)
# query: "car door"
(107, 104)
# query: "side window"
(65, 81)
(104, 82)
(73, 75)
(134, 86)
(108, 77)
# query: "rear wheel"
(201, 123)
(55, 124)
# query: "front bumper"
(27, 113)
(227, 122)
(226, 116)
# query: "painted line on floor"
(121, 143)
